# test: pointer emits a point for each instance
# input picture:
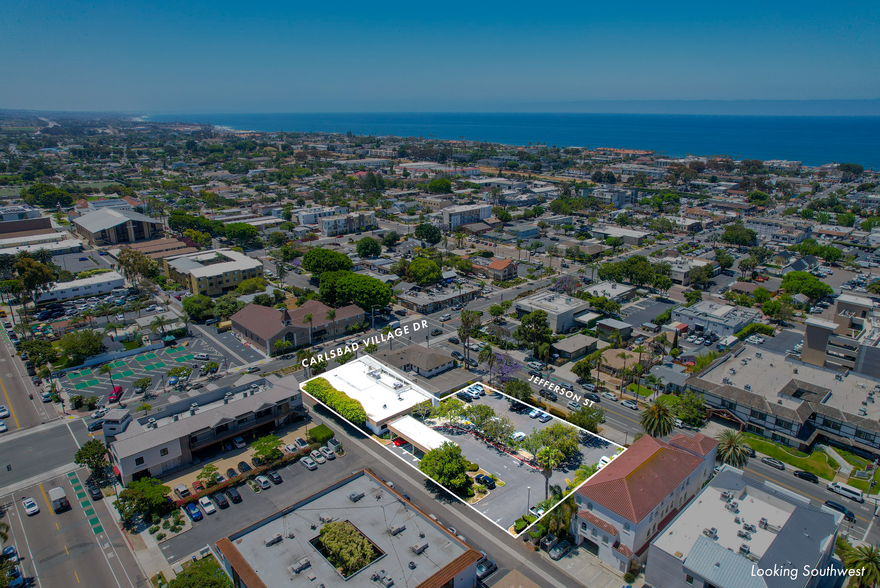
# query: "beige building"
(851, 341)
(110, 226)
(212, 272)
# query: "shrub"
(519, 525)
(176, 529)
(558, 413)
(349, 408)
(629, 577)
(166, 525)
(320, 434)
(76, 401)
(154, 530)
(469, 492)
(472, 467)
(758, 328)
(160, 536)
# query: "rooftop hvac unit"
(418, 549)
(276, 538)
(387, 582)
(300, 565)
(354, 497)
(397, 530)
(151, 423)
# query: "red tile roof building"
(624, 505)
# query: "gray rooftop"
(575, 343)
(108, 218)
(377, 512)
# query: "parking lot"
(74, 262)
(524, 482)
(645, 311)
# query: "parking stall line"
(27, 542)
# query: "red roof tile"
(623, 549)
(635, 482)
(597, 522)
(699, 444)
(500, 264)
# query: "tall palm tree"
(640, 349)
(487, 356)
(732, 448)
(158, 324)
(186, 318)
(581, 474)
(308, 319)
(330, 315)
(622, 355)
(305, 355)
(560, 509)
(548, 458)
(597, 362)
(658, 420)
(137, 306)
(107, 369)
(867, 559)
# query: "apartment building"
(633, 498)
(851, 341)
(611, 195)
(737, 531)
(346, 224)
(721, 319)
(212, 272)
(311, 216)
(454, 216)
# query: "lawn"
(129, 345)
(817, 462)
(670, 399)
(640, 390)
(859, 463)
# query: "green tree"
(140, 497)
(204, 573)
(390, 239)
(145, 407)
(368, 247)
(806, 284)
(518, 389)
(34, 276)
(142, 383)
(657, 420)
(199, 307)
(424, 271)
(440, 186)
(534, 329)
(346, 548)
(80, 345)
(867, 559)
(732, 448)
(241, 233)
(548, 458)
(267, 448)
(587, 417)
(92, 455)
(447, 466)
(342, 288)
(428, 232)
(227, 305)
(319, 261)
(208, 474)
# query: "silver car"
(327, 452)
(316, 455)
(309, 463)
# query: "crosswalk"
(85, 503)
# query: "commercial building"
(791, 402)
(611, 291)
(345, 224)
(18, 212)
(629, 236)
(779, 230)
(851, 341)
(429, 300)
(368, 163)
(721, 319)
(28, 240)
(311, 216)
(410, 549)
(575, 347)
(110, 226)
(417, 358)
(385, 393)
(524, 231)
(92, 286)
(212, 272)
(455, 216)
(264, 327)
(55, 247)
(738, 531)
(629, 501)
(609, 195)
(561, 309)
(197, 426)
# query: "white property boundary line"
(369, 435)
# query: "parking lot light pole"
(529, 499)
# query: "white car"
(692, 339)
(2, 426)
(264, 482)
(446, 317)
(291, 448)
(309, 463)
(316, 455)
(201, 356)
(207, 505)
(4, 412)
(30, 506)
(609, 396)
(99, 413)
(518, 436)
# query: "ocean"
(813, 140)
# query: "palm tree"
(548, 458)
(137, 306)
(640, 349)
(615, 339)
(145, 407)
(560, 508)
(653, 382)
(487, 356)
(3, 529)
(330, 315)
(732, 448)
(107, 369)
(308, 319)
(158, 324)
(622, 355)
(867, 559)
(658, 420)
(597, 362)
(305, 355)
(371, 348)
(582, 473)
(185, 317)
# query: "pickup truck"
(58, 499)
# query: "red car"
(400, 442)
(339, 236)
(117, 392)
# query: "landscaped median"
(817, 462)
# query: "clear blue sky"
(211, 57)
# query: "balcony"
(234, 431)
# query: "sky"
(221, 56)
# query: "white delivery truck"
(58, 499)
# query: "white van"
(201, 356)
(848, 491)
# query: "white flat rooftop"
(381, 390)
(411, 429)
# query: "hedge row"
(350, 409)
(758, 328)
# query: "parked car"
(263, 482)
(610, 396)
(535, 373)
(808, 476)
(274, 476)
(300, 442)
(95, 493)
(207, 505)
(317, 457)
(631, 404)
(559, 550)
(239, 442)
(233, 495)
(96, 425)
(457, 355)
(193, 511)
(485, 569)
(30, 506)
(847, 513)
(9, 553)
(4, 412)
(485, 481)
(252, 369)
(591, 396)
(549, 395)
(454, 340)
(544, 417)
(774, 463)
(231, 473)
(309, 463)
(535, 413)
(327, 452)
(220, 500)
(243, 467)
(471, 362)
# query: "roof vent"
(276, 538)
(193, 408)
(151, 423)
(175, 417)
(418, 549)
(397, 530)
